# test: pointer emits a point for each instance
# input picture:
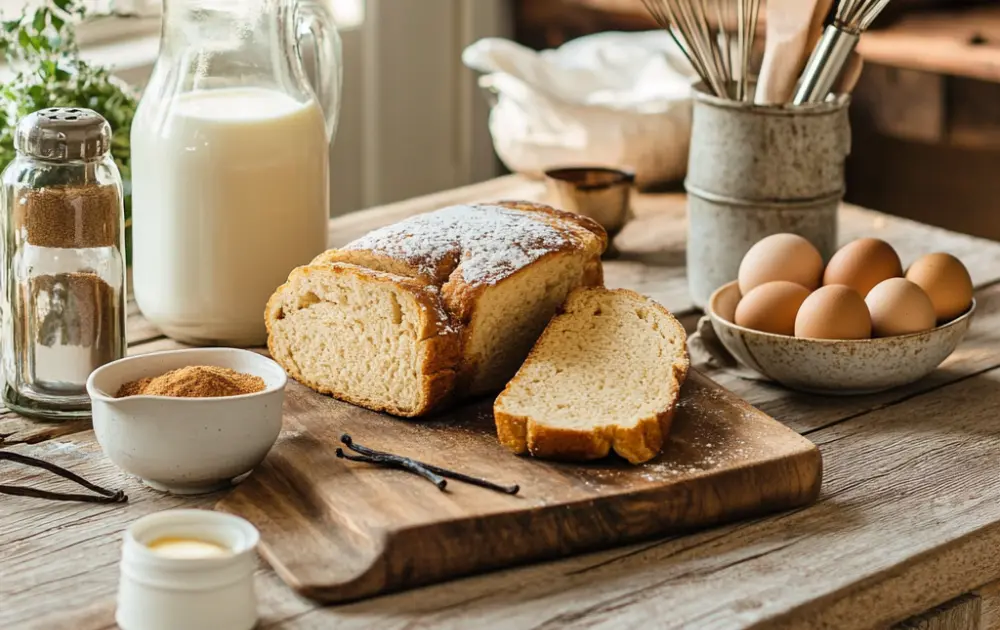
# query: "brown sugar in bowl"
(186, 445)
(834, 367)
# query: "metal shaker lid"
(63, 133)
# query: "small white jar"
(161, 592)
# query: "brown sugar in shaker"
(64, 264)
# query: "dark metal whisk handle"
(825, 65)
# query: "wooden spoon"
(816, 28)
(788, 28)
(822, 10)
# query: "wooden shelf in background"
(919, 34)
(962, 43)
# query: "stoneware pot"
(187, 445)
(758, 170)
(822, 366)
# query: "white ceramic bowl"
(822, 366)
(187, 445)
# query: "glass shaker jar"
(63, 280)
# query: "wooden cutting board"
(337, 531)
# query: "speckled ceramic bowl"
(821, 366)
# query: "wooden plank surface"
(723, 461)
(894, 522)
(909, 517)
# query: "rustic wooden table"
(908, 522)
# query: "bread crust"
(585, 226)
(442, 344)
(583, 234)
(637, 444)
(461, 299)
(449, 369)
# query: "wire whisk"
(856, 16)
(852, 18)
(703, 30)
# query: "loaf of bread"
(438, 307)
(606, 373)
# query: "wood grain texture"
(904, 504)
(990, 607)
(961, 613)
(909, 517)
(339, 531)
(50, 550)
(890, 536)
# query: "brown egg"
(946, 281)
(862, 264)
(781, 257)
(772, 307)
(833, 312)
(899, 307)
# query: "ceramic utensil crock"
(759, 170)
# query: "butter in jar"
(190, 548)
(190, 569)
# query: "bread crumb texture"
(606, 374)
(434, 308)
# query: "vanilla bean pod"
(398, 462)
(444, 472)
(106, 496)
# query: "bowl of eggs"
(856, 325)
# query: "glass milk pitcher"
(230, 163)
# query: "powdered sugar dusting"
(489, 242)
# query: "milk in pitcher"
(230, 193)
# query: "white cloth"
(617, 99)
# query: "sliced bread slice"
(442, 306)
(606, 373)
(371, 338)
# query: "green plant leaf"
(37, 92)
(53, 74)
(41, 19)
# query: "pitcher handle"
(314, 18)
